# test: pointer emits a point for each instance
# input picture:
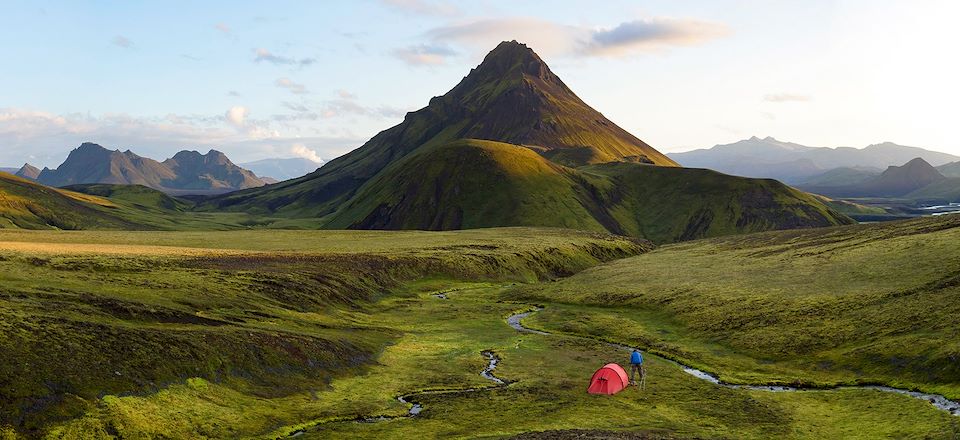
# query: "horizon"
(257, 82)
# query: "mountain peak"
(512, 59)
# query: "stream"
(936, 400)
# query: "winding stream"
(936, 400)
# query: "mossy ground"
(860, 304)
(219, 345)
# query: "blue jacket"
(636, 358)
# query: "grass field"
(257, 334)
(860, 304)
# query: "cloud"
(237, 116)
(45, 138)
(122, 41)
(301, 150)
(222, 27)
(551, 38)
(423, 7)
(786, 97)
(48, 137)
(650, 34)
(424, 54)
(233, 93)
(264, 55)
(345, 94)
(287, 83)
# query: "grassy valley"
(266, 334)
(856, 304)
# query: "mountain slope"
(28, 171)
(896, 181)
(951, 169)
(841, 176)
(187, 171)
(468, 184)
(511, 97)
(472, 183)
(794, 163)
(28, 205)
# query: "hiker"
(636, 366)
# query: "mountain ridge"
(793, 163)
(185, 172)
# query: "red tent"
(609, 379)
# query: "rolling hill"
(188, 172)
(511, 145)
(25, 204)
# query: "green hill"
(27, 205)
(472, 184)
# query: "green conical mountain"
(511, 97)
(511, 145)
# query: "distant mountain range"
(512, 145)
(187, 172)
(794, 163)
(282, 169)
(915, 180)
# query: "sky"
(315, 79)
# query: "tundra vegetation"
(266, 334)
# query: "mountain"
(841, 177)
(896, 181)
(28, 171)
(186, 172)
(951, 169)
(282, 169)
(794, 163)
(212, 172)
(8, 170)
(29, 205)
(511, 145)
(512, 96)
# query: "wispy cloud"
(264, 55)
(222, 27)
(424, 54)
(423, 7)
(121, 41)
(295, 88)
(651, 34)
(786, 97)
(624, 39)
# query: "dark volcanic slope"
(511, 97)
